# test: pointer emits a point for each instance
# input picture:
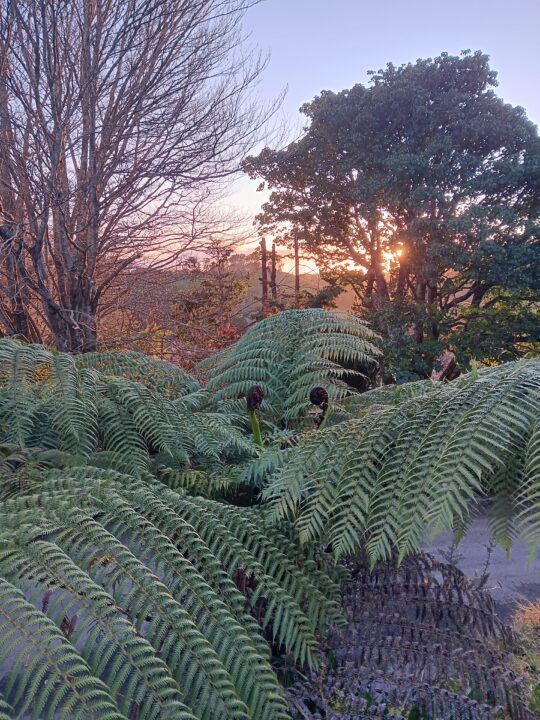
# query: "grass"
(526, 626)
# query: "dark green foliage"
(506, 330)
(420, 191)
(45, 666)
(6, 711)
(325, 298)
(135, 410)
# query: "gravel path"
(511, 579)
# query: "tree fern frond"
(18, 404)
(159, 375)
(402, 468)
(46, 673)
(153, 589)
(52, 400)
(380, 397)
(73, 405)
(120, 435)
(150, 414)
(421, 640)
(528, 497)
(198, 482)
(6, 711)
(125, 661)
(266, 547)
(287, 354)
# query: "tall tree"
(119, 118)
(14, 316)
(422, 191)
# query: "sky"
(319, 45)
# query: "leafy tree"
(211, 290)
(421, 191)
(505, 328)
(324, 298)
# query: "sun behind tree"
(422, 192)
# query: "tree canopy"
(422, 191)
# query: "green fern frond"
(198, 482)
(134, 673)
(18, 404)
(158, 375)
(528, 497)
(46, 674)
(73, 406)
(6, 711)
(287, 354)
(52, 400)
(163, 598)
(406, 467)
(388, 395)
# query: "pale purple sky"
(331, 44)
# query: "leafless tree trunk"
(264, 277)
(296, 271)
(119, 118)
(273, 273)
(13, 296)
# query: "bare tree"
(118, 119)
(13, 294)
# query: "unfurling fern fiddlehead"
(254, 398)
(319, 397)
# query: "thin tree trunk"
(273, 281)
(296, 271)
(264, 278)
(17, 322)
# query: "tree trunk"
(296, 271)
(431, 302)
(264, 278)
(273, 280)
(16, 318)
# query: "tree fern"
(402, 468)
(46, 673)
(421, 640)
(48, 401)
(154, 601)
(289, 353)
(144, 588)
(159, 375)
